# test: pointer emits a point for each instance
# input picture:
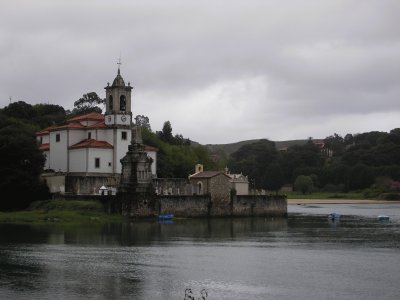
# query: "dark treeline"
(368, 161)
(21, 161)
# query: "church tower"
(118, 102)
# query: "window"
(110, 103)
(200, 188)
(57, 137)
(123, 135)
(41, 140)
(97, 162)
(122, 103)
(89, 135)
(109, 164)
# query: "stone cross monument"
(136, 192)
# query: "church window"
(123, 135)
(57, 137)
(110, 103)
(89, 135)
(97, 162)
(122, 103)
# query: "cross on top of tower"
(119, 63)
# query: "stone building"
(214, 183)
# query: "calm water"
(305, 256)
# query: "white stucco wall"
(76, 136)
(105, 156)
(58, 157)
(242, 188)
(105, 135)
(77, 160)
(43, 139)
(121, 147)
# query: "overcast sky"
(220, 71)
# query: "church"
(84, 154)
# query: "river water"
(304, 256)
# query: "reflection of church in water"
(85, 153)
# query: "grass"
(325, 195)
(61, 211)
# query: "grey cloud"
(334, 59)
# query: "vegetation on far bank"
(62, 211)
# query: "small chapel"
(84, 154)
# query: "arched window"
(199, 188)
(110, 103)
(122, 103)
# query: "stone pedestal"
(136, 193)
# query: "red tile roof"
(91, 143)
(88, 117)
(148, 148)
(44, 147)
(100, 124)
(46, 130)
(74, 123)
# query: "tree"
(253, 159)
(177, 159)
(88, 103)
(335, 143)
(143, 121)
(166, 133)
(20, 110)
(21, 163)
(304, 184)
(273, 178)
(49, 114)
(300, 157)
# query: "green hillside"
(228, 149)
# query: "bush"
(390, 196)
(334, 188)
(372, 192)
(303, 184)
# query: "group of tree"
(176, 157)
(355, 162)
(21, 161)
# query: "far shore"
(340, 201)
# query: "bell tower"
(118, 102)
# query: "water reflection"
(304, 256)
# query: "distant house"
(240, 183)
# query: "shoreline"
(340, 201)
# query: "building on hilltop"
(85, 153)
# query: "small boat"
(165, 217)
(334, 216)
(383, 218)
